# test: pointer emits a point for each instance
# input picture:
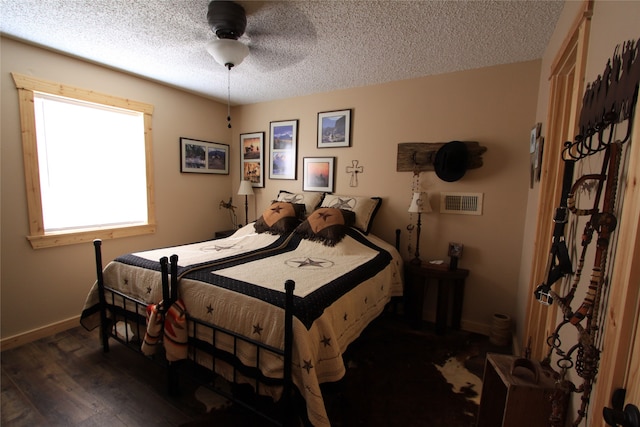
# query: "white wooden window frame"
(37, 236)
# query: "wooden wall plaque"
(419, 156)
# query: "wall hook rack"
(419, 156)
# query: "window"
(87, 162)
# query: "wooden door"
(620, 359)
(566, 92)
(633, 372)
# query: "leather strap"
(562, 212)
(558, 263)
(604, 223)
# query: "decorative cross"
(354, 170)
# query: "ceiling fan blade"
(280, 34)
(267, 59)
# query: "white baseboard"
(36, 334)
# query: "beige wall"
(494, 106)
(41, 287)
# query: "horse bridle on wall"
(608, 102)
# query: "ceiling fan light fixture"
(227, 52)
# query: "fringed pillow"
(326, 225)
(280, 218)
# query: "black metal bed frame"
(117, 304)
(132, 312)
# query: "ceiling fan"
(276, 33)
(228, 21)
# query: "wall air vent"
(461, 203)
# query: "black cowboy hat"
(451, 161)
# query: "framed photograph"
(283, 144)
(198, 156)
(334, 129)
(454, 252)
(539, 152)
(533, 136)
(534, 142)
(252, 158)
(455, 249)
(318, 174)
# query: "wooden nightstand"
(417, 277)
(223, 234)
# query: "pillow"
(326, 225)
(311, 200)
(364, 207)
(280, 218)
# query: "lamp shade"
(245, 188)
(420, 203)
(227, 52)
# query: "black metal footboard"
(123, 318)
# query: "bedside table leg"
(458, 295)
(443, 307)
(414, 302)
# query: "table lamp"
(419, 204)
(246, 190)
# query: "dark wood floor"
(67, 380)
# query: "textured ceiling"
(296, 47)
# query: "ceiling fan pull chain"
(229, 96)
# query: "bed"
(231, 292)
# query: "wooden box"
(515, 393)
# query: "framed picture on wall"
(334, 129)
(252, 158)
(318, 174)
(198, 156)
(534, 147)
(283, 144)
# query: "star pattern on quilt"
(326, 341)
(126, 282)
(209, 309)
(219, 248)
(307, 366)
(148, 289)
(257, 329)
(308, 262)
(276, 209)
